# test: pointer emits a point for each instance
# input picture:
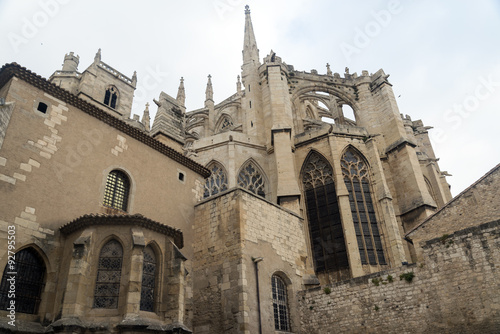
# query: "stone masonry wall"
(455, 290)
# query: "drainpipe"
(255, 262)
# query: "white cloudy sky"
(443, 56)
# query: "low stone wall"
(455, 290)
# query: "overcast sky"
(443, 57)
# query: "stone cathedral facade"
(297, 181)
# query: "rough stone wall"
(477, 204)
(231, 230)
(455, 290)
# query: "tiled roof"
(121, 220)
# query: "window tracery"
(356, 178)
(251, 179)
(216, 182)
(111, 97)
(325, 225)
(109, 270)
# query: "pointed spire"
(146, 120)
(250, 50)
(181, 93)
(134, 79)
(209, 92)
(97, 57)
(238, 85)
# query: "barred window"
(357, 181)
(29, 273)
(323, 215)
(148, 280)
(216, 182)
(117, 190)
(252, 179)
(280, 304)
(109, 271)
(111, 97)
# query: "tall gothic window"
(252, 179)
(109, 271)
(111, 97)
(216, 182)
(29, 276)
(325, 226)
(117, 189)
(148, 280)
(280, 304)
(357, 181)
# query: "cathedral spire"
(209, 92)
(250, 50)
(146, 119)
(181, 93)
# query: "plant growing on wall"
(407, 276)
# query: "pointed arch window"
(251, 178)
(109, 271)
(280, 304)
(216, 182)
(357, 181)
(148, 280)
(117, 190)
(225, 124)
(29, 281)
(111, 97)
(325, 225)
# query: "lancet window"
(109, 271)
(111, 97)
(356, 178)
(148, 280)
(280, 304)
(117, 190)
(325, 226)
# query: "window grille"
(216, 182)
(111, 97)
(356, 178)
(109, 271)
(280, 304)
(325, 225)
(117, 190)
(251, 179)
(148, 280)
(29, 280)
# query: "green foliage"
(407, 276)
(310, 307)
(327, 290)
(377, 308)
(390, 279)
(376, 281)
(443, 238)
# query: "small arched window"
(117, 190)
(29, 273)
(251, 178)
(109, 271)
(357, 181)
(148, 280)
(216, 182)
(280, 304)
(111, 97)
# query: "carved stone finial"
(247, 9)
(328, 70)
(347, 70)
